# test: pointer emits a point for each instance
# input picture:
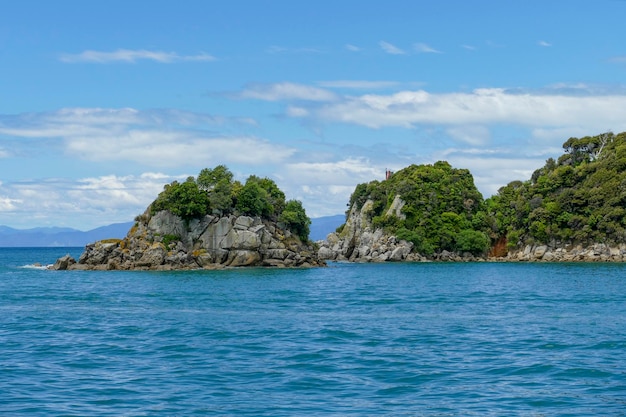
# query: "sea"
(395, 339)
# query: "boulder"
(63, 263)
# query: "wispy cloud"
(544, 109)
(276, 49)
(358, 84)
(469, 47)
(618, 59)
(148, 138)
(544, 44)
(286, 91)
(132, 56)
(353, 48)
(423, 48)
(85, 202)
(391, 49)
(474, 135)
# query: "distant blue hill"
(322, 226)
(68, 237)
(59, 236)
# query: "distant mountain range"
(68, 237)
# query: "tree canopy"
(579, 198)
(215, 192)
(442, 209)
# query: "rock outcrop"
(598, 252)
(164, 241)
(359, 241)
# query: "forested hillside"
(439, 208)
(579, 198)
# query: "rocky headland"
(360, 241)
(167, 242)
(208, 223)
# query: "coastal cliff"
(210, 222)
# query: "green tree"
(182, 199)
(295, 218)
(208, 179)
(253, 200)
(473, 241)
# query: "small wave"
(36, 266)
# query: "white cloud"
(131, 56)
(286, 91)
(423, 48)
(493, 172)
(391, 49)
(295, 111)
(275, 49)
(358, 84)
(8, 204)
(544, 44)
(341, 172)
(150, 138)
(84, 203)
(325, 187)
(474, 135)
(480, 107)
(353, 48)
(618, 59)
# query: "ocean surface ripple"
(482, 339)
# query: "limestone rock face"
(360, 242)
(164, 241)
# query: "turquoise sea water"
(395, 339)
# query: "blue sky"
(105, 102)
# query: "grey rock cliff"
(359, 241)
(167, 242)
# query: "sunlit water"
(396, 339)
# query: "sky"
(102, 103)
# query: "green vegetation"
(295, 219)
(579, 198)
(443, 209)
(168, 239)
(215, 192)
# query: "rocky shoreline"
(597, 252)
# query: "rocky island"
(209, 222)
(572, 209)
